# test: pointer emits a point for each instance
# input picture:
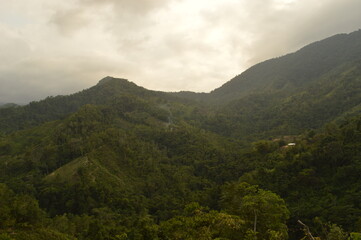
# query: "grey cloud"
(124, 19)
(38, 78)
(70, 20)
(138, 7)
(265, 29)
(9, 41)
(307, 22)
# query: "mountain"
(287, 95)
(290, 72)
(295, 70)
(8, 105)
(122, 164)
(277, 97)
(107, 92)
(277, 144)
(331, 97)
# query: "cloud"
(51, 47)
(128, 6)
(9, 41)
(69, 21)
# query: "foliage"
(200, 223)
(117, 161)
(263, 211)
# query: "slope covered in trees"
(98, 175)
(108, 91)
(260, 115)
(304, 90)
(290, 72)
(117, 161)
(294, 70)
(127, 171)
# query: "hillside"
(8, 105)
(294, 70)
(278, 143)
(127, 171)
(107, 92)
(277, 97)
(333, 96)
(287, 95)
(126, 160)
(290, 72)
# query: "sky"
(52, 47)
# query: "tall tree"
(265, 212)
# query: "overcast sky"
(52, 47)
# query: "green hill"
(270, 114)
(107, 92)
(117, 161)
(287, 95)
(290, 72)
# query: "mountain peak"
(293, 70)
(109, 79)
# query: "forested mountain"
(290, 72)
(272, 114)
(287, 95)
(294, 70)
(134, 162)
(108, 91)
(277, 144)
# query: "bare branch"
(306, 229)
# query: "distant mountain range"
(6, 105)
(286, 95)
(302, 90)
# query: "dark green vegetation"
(117, 161)
(286, 95)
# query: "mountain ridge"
(274, 81)
(273, 75)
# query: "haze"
(53, 47)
